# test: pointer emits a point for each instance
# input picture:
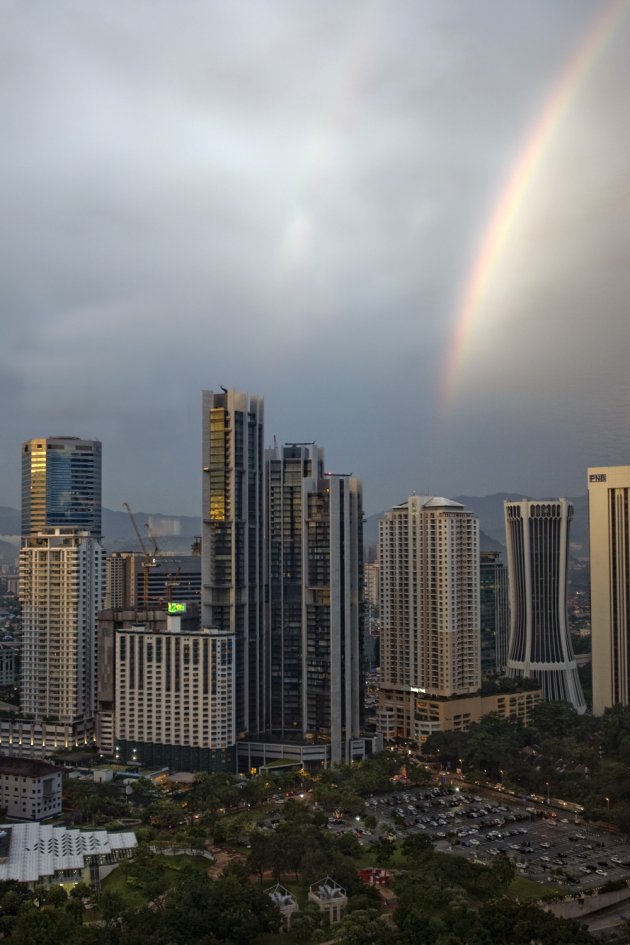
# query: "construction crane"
(171, 576)
(148, 559)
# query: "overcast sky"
(290, 198)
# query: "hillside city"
(284, 722)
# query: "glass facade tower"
(61, 485)
(313, 570)
(232, 546)
(493, 612)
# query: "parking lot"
(561, 851)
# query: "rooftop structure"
(330, 898)
(41, 854)
(286, 903)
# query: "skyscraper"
(61, 484)
(313, 576)
(494, 612)
(61, 589)
(61, 577)
(429, 607)
(609, 525)
(537, 534)
(232, 542)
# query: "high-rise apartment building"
(429, 611)
(537, 534)
(232, 541)
(61, 484)
(120, 580)
(174, 691)
(61, 590)
(493, 611)
(313, 619)
(61, 582)
(609, 526)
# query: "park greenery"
(560, 755)
(274, 827)
(158, 900)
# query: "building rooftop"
(38, 851)
(26, 767)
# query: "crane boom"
(148, 560)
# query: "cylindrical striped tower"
(537, 534)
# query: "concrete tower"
(61, 589)
(429, 607)
(609, 524)
(61, 577)
(537, 534)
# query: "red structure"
(374, 877)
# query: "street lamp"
(607, 799)
(547, 786)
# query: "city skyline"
(402, 224)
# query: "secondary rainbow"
(516, 188)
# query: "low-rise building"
(456, 714)
(39, 854)
(29, 789)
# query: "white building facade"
(61, 590)
(174, 697)
(29, 789)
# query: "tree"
(416, 846)
(33, 926)
(348, 844)
(364, 928)
(261, 854)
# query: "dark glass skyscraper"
(493, 609)
(61, 484)
(313, 574)
(232, 551)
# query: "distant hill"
(176, 532)
(172, 532)
(489, 511)
(9, 521)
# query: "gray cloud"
(287, 198)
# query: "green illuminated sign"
(176, 608)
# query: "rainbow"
(515, 190)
